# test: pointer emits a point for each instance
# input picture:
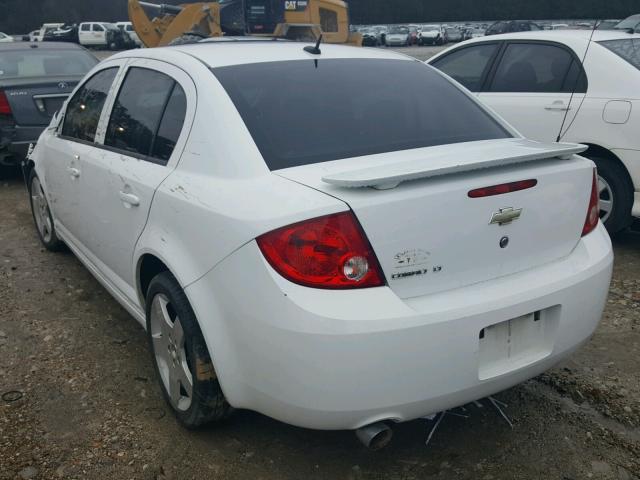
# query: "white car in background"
(4, 38)
(102, 34)
(536, 81)
(432, 35)
(127, 27)
(330, 270)
(398, 36)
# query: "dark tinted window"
(328, 20)
(534, 68)
(468, 65)
(84, 109)
(171, 125)
(303, 112)
(138, 109)
(32, 62)
(85, 27)
(628, 49)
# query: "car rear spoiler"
(450, 161)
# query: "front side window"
(98, 28)
(468, 65)
(628, 49)
(303, 112)
(84, 109)
(535, 68)
(138, 110)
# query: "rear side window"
(628, 49)
(85, 27)
(171, 125)
(84, 109)
(303, 112)
(468, 65)
(137, 113)
(536, 68)
(33, 62)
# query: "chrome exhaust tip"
(375, 436)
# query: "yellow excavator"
(304, 20)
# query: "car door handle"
(130, 199)
(74, 172)
(558, 107)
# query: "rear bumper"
(15, 140)
(342, 360)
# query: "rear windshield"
(41, 63)
(627, 48)
(300, 112)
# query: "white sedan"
(538, 83)
(4, 38)
(290, 254)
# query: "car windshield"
(399, 30)
(304, 112)
(626, 48)
(452, 30)
(41, 63)
(430, 28)
(629, 23)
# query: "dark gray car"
(35, 80)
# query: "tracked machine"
(305, 20)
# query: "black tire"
(616, 176)
(50, 241)
(208, 403)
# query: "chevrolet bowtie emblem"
(505, 216)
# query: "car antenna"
(575, 86)
(316, 49)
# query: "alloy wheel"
(605, 193)
(170, 353)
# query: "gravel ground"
(88, 405)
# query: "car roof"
(560, 35)
(40, 46)
(227, 53)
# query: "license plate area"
(516, 343)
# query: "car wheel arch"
(595, 150)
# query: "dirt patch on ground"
(88, 406)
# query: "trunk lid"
(34, 103)
(430, 236)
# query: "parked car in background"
(432, 35)
(454, 35)
(559, 26)
(35, 79)
(31, 37)
(630, 24)
(65, 33)
(45, 29)
(320, 221)
(127, 27)
(608, 24)
(370, 37)
(4, 38)
(512, 26)
(536, 81)
(477, 33)
(104, 35)
(398, 36)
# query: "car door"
(98, 34)
(532, 86)
(84, 34)
(75, 135)
(142, 141)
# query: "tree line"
(21, 16)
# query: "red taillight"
(329, 252)
(593, 214)
(5, 108)
(503, 188)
